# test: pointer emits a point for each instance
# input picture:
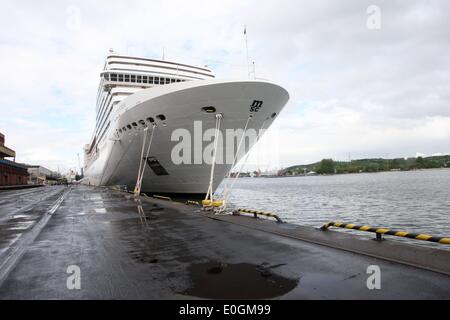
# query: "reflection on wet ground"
(216, 280)
(21, 209)
(19, 195)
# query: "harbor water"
(414, 201)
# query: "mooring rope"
(225, 189)
(238, 149)
(137, 189)
(213, 162)
(227, 193)
(141, 157)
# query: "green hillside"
(328, 166)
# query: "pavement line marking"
(18, 250)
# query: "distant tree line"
(329, 166)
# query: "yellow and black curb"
(256, 213)
(191, 202)
(381, 231)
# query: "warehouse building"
(11, 173)
(42, 175)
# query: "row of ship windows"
(142, 122)
(115, 77)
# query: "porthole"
(124, 129)
(128, 126)
(150, 119)
(273, 115)
(134, 124)
(120, 130)
(142, 122)
(161, 117)
(209, 109)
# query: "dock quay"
(84, 242)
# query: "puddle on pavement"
(142, 256)
(217, 280)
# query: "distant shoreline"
(247, 175)
(354, 173)
(331, 167)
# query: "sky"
(366, 78)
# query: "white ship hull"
(118, 156)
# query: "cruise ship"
(142, 104)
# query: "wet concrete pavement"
(151, 249)
(20, 210)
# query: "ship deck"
(146, 248)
